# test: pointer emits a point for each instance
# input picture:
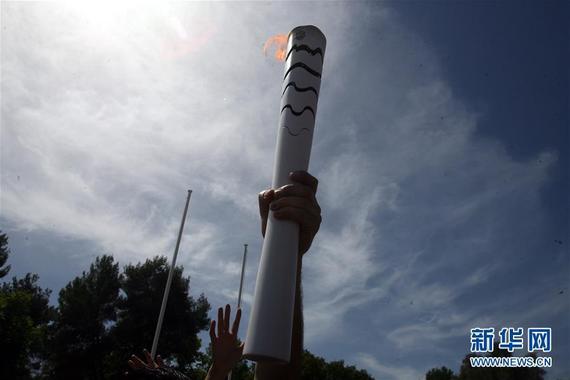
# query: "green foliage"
(313, 368)
(244, 370)
(17, 333)
(25, 315)
(442, 373)
(87, 306)
(143, 288)
(316, 368)
(104, 317)
(4, 253)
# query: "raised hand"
(226, 349)
(137, 364)
(152, 369)
(297, 203)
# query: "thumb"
(265, 198)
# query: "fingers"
(159, 361)
(136, 363)
(295, 190)
(224, 323)
(227, 318)
(305, 186)
(150, 362)
(265, 198)
(296, 202)
(305, 178)
(299, 215)
(213, 330)
(220, 321)
(235, 326)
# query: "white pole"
(240, 286)
(169, 281)
(242, 272)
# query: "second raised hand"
(226, 349)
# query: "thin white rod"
(169, 281)
(242, 272)
(240, 287)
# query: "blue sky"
(441, 148)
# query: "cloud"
(109, 117)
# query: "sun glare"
(103, 16)
(98, 9)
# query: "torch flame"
(280, 42)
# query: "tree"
(243, 371)
(312, 368)
(142, 290)
(4, 253)
(25, 315)
(87, 309)
(316, 368)
(442, 373)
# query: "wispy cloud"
(108, 117)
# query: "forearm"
(214, 373)
(291, 370)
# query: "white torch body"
(271, 321)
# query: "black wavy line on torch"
(298, 113)
(303, 66)
(300, 89)
(307, 49)
(295, 135)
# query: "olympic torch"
(271, 321)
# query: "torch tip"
(301, 31)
